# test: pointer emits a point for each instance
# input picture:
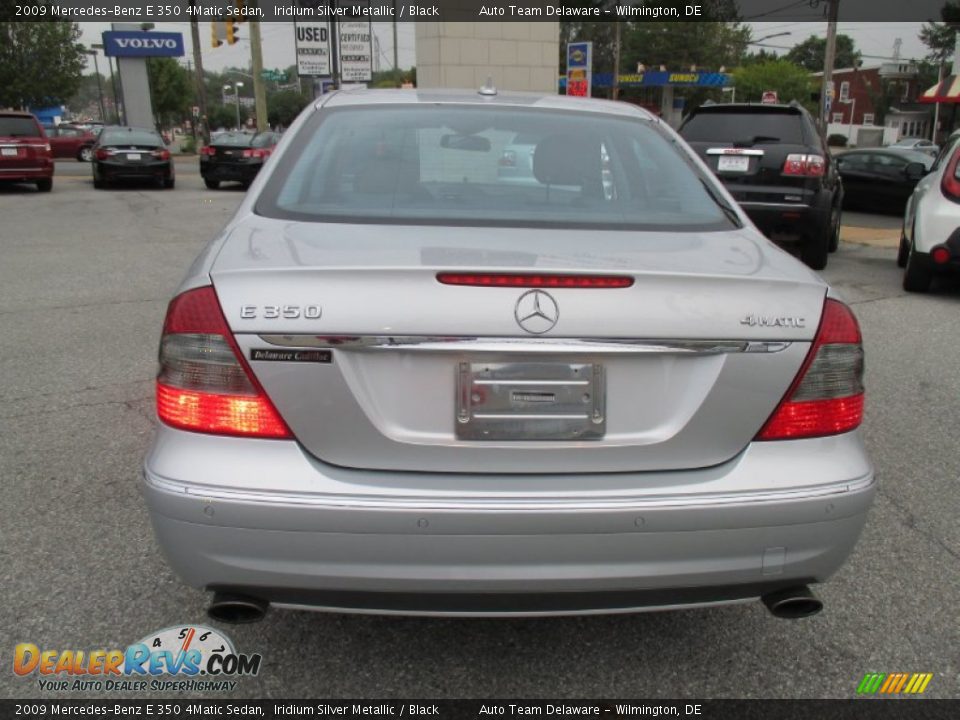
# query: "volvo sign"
(137, 43)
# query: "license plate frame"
(733, 163)
(530, 401)
(134, 156)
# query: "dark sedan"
(881, 179)
(127, 153)
(235, 156)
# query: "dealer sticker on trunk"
(269, 355)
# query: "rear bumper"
(239, 172)
(391, 545)
(787, 218)
(30, 174)
(157, 169)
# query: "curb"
(874, 237)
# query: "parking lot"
(85, 276)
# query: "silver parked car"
(397, 383)
(919, 144)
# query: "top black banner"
(139, 11)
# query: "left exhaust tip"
(793, 603)
(237, 609)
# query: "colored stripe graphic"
(894, 683)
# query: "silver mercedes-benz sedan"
(395, 383)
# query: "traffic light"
(233, 31)
(217, 33)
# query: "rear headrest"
(567, 160)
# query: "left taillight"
(203, 384)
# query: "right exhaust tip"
(237, 609)
(793, 603)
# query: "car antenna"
(488, 87)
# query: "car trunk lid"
(374, 363)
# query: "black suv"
(776, 164)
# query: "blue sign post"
(141, 43)
(579, 68)
(131, 46)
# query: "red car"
(70, 141)
(25, 154)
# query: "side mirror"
(915, 171)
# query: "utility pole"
(828, 60)
(259, 91)
(616, 59)
(396, 64)
(202, 121)
(335, 53)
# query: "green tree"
(41, 63)
(761, 56)
(789, 81)
(941, 37)
(811, 52)
(284, 106)
(171, 91)
(86, 100)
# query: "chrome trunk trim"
(618, 346)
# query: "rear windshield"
(451, 165)
(263, 140)
(232, 139)
(130, 137)
(786, 127)
(18, 127)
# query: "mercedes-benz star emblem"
(536, 312)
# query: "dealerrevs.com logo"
(181, 658)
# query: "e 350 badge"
(182, 652)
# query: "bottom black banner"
(893, 709)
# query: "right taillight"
(203, 384)
(805, 165)
(826, 397)
(950, 184)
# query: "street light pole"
(96, 67)
(236, 94)
(113, 84)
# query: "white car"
(919, 144)
(930, 241)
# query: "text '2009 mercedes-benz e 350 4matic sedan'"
(396, 383)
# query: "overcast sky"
(872, 39)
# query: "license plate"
(133, 156)
(530, 401)
(733, 163)
(8, 152)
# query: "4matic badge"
(767, 321)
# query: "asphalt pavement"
(85, 277)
